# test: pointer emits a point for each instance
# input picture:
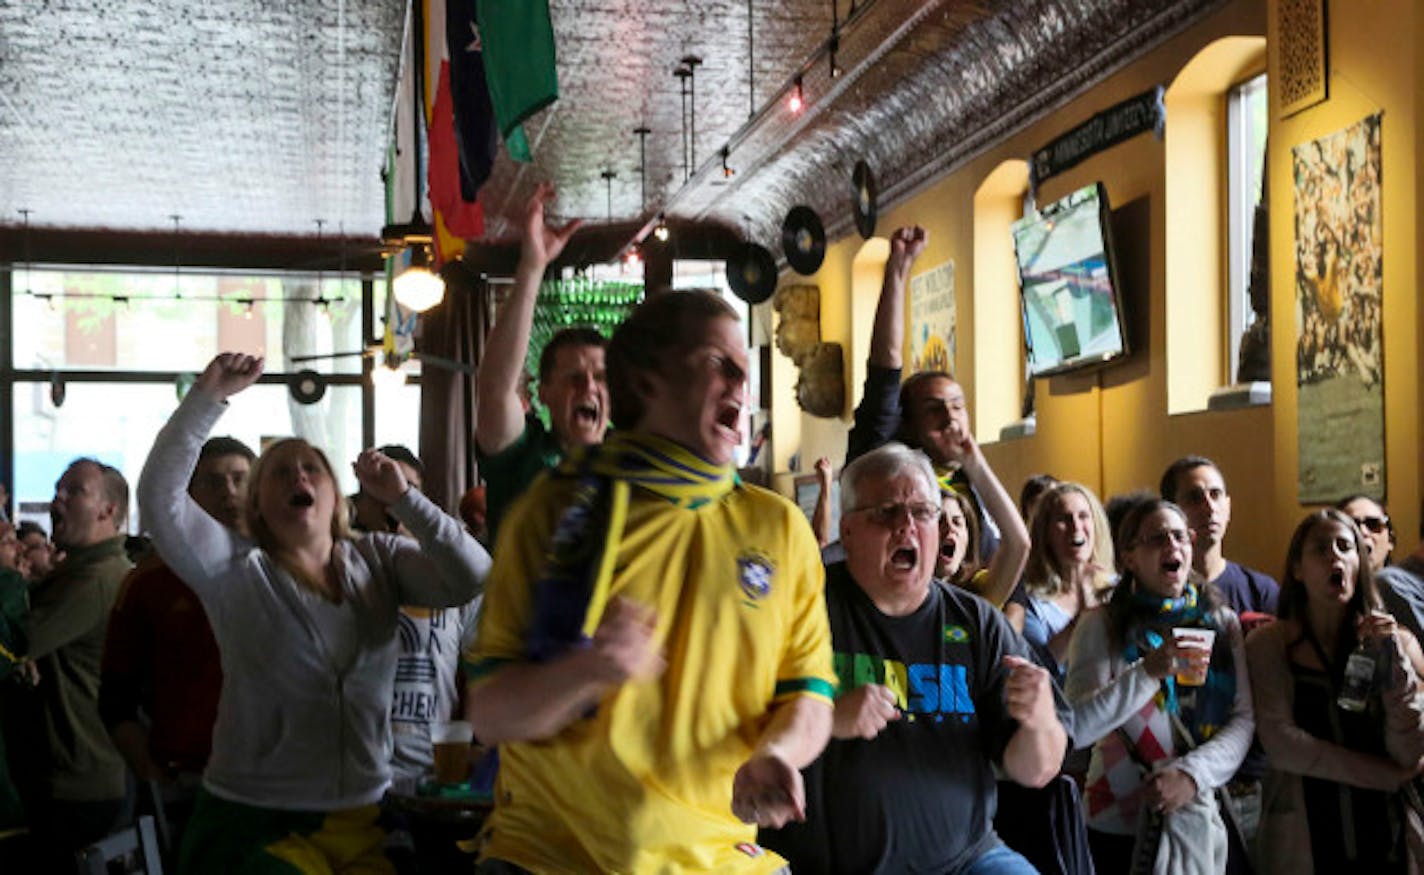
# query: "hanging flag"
(462, 217)
(518, 42)
(475, 131)
(455, 216)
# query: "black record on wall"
(803, 239)
(751, 272)
(306, 386)
(864, 194)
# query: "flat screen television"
(1072, 306)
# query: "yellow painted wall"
(1111, 428)
(1375, 53)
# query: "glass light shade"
(383, 376)
(418, 289)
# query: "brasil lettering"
(919, 688)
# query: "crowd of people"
(675, 670)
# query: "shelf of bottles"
(579, 302)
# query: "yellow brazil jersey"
(644, 783)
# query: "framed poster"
(932, 320)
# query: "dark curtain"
(455, 332)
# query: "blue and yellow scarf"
(572, 592)
(1152, 619)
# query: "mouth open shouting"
(729, 423)
(587, 415)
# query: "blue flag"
(476, 136)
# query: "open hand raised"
(542, 242)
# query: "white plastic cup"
(1187, 675)
(452, 750)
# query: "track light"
(797, 101)
(727, 171)
(661, 231)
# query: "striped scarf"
(572, 592)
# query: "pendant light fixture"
(416, 287)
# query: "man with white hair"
(933, 685)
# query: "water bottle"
(1359, 680)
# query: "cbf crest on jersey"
(754, 574)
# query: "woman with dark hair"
(1375, 525)
(959, 560)
(304, 615)
(1171, 722)
(1341, 766)
(1069, 571)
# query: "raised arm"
(193, 544)
(1008, 561)
(445, 566)
(877, 417)
(887, 337)
(499, 415)
(1291, 748)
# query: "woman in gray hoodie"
(304, 614)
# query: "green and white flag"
(518, 41)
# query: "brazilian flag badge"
(956, 634)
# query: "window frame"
(1241, 210)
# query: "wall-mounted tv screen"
(1072, 308)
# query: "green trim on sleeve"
(812, 686)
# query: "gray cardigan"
(303, 721)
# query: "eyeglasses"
(1373, 524)
(1158, 540)
(889, 514)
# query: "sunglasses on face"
(1373, 524)
(889, 514)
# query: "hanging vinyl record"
(751, 272)
(803, 239)
(306, 386)
(864, 194)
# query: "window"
(999, 374)
(116, 423)
(96, 320)
(1201, 163)
(114, 339)
(1246, 116)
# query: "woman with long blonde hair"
(1069, 570)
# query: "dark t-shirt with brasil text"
(921, 795)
